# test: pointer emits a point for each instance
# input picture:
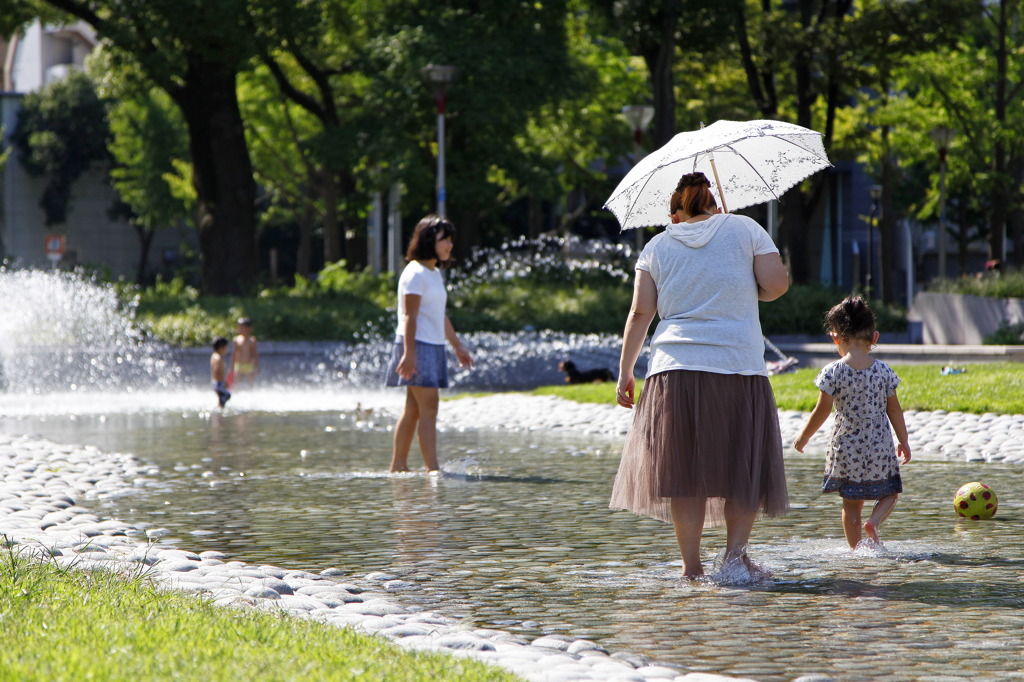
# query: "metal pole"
(942, 213)
(441, 209)
(394, 229)
(373, 234)
(871, 249)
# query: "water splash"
(62, 332)
(503, 360)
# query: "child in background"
(218, 370)
(245, 357)
(861, 462)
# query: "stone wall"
(958, 319)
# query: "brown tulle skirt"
(701, 434)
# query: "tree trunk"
(145, 243)
(886, 225)
(1000, 191)
(659, 64)
(467, 235)
(334, 249)
(222, 175)
(304, 253)
(1015, 220)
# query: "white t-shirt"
(429, 286)
(707, 296)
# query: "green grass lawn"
(62, 624)
(985, 387)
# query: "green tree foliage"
(806, 61)
(193, 50)
(513, 59)
(569, 143)
(148, 137)
(61, 132)
(281, 136)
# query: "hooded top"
(707, 295)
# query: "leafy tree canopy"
(61, 131)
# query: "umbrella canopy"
(747, 163)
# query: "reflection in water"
(517, 535)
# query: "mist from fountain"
(62, 332)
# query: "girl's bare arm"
(894, 411)
(818, 416)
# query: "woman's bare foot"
(871, 531)
(397, 470)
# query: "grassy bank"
(62, 624)
(987, 387)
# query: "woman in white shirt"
(418, 359)
(705, 445)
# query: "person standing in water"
(218, 371)
(705, 445)
(245, 356)
(860, 462)
(418, 359)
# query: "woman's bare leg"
(879, 514)
(738, 525)
(851, 520)
(688, 521)
(426, 432)
(405, 429)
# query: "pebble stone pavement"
(46, 487)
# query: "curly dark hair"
(693, 195)
(851, 319)
(427, 232)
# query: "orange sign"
(55, 244)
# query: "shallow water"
(517, 536)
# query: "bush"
(1008, 284)
(1007, 335)
(802, 311)
(525, 285)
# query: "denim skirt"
(431, 366)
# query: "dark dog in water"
(590, 376)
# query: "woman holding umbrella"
(705, 446)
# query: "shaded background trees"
(296, 114)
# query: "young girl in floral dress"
(861, 462)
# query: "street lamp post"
(638, 116)
(942, 136)
(876, 195)
(440, 76)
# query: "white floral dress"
(860, 463)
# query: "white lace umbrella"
(747, 162)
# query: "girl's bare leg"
(879, 514)
(688, 521)
(851, 520)
(405, 429)
(738, 525)
(426, 432)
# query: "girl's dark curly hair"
(427, 233)
(693, 195)
(851, 319)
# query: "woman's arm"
(465, 359)
(818, 416)
(407, 365)
(641, 313)
(772, 278)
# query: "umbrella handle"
(714, 171)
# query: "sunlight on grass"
(62, 624)
(985, 387)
